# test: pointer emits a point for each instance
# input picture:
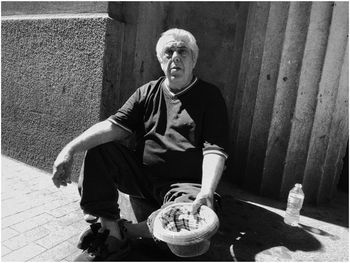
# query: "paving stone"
(14, 206)
(54, 238)
(25, 238)
(71, 218)
(21, 216)
(65, 209)
(24, 253)
(5, 250)
(7, 233)
(33, 222)
(74, 239)
(56, 253)
(73, 255)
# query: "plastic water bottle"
(295, 203)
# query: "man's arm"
(213, 166)
(97, 134)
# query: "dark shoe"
(88, 235)
(105, 248)
(96, 240)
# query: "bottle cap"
(299, 185)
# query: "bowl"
(186, 234)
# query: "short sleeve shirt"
(173, 132)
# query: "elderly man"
(180, 124)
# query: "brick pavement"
(42, 223)
(39, 221)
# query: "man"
(180, 124)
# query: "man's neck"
(176, 88)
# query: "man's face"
(177, 63)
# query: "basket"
(186, 235)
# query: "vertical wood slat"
(149, 27)
(343, 102)
(113, 66)
(248, 79)
(326, 100)
(312, 63)
(130, 13)
(266, 92)
(233, 70)
(338, 133)
(286, 91)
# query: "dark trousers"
(110, 167)
(107, 168)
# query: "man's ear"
(194, 59)
(194, 63)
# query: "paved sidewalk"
(39, 221)
(42, 223)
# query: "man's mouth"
(175, 68)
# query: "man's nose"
(176, 56)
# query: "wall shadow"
(336, 211)
(248, 228)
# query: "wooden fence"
(283, 70)
(290, 121)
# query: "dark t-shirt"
(173, 132)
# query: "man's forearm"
(97, 134)
(213, 166)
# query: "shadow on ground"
(248, 228)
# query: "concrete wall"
(52, 75)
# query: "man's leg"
(106, 168)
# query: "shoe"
(88, 235)
(92, 242)
(105, 248)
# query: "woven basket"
(187, 235)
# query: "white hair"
(179, 34)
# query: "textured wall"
(52, 75)
(290, 120)
(9, 8)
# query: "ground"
(42, 223)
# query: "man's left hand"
(203, 199)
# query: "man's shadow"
(246, 228)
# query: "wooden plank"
(130, 14)
(266, 92)
(237, 101)
(338, 136)
(315, 49)
(286, 91)
(235, 56)
(326, 100)
(248, 82)
(149, 28)
(112, 62)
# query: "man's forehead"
(175, 43)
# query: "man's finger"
(195, 207)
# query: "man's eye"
(168, 53)
(183, 52)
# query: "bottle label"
(295, 201)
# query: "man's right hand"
(62, 168)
